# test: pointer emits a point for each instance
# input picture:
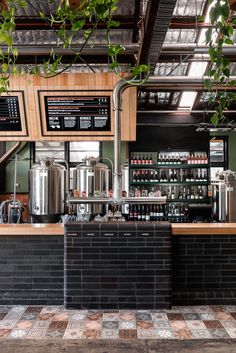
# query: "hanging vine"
(217, 36)
(72, 19)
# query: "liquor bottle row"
(169, 158)
(171, 175)
(197, 192)
(171, 213)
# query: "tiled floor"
(187, 322)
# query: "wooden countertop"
(177, 229)
(32, 229)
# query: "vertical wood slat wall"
(30, 85)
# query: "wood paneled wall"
(30, 85)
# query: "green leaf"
(4, 67)
(228, 41)
(208, 35)
(78, 25)
(207, 83)
(113, 65)
(215, 119)
(200, 19)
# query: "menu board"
(10, 114)
(78, 113)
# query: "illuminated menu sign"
(10, 114)
(78, 113)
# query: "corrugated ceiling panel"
(189, 7)
(171, 69)
(180, 36)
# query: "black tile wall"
(118, 266)
(204, 269)
(31, 270)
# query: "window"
(72, 152)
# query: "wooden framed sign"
(12, 115)
(73, 113)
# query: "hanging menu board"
(78, 113)
(10, 114)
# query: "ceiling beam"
(34, 23)
(156, 23)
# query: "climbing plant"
(71, 18)
(218, 35)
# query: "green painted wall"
(107, 151)
(22, 170)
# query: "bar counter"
(203, 263)
(177, 229)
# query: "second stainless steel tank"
(91, 179)
(47, 185)
(224, 196)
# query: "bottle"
(200, 192)
(150, 159)
(171, 176)
(156, 176)
(139, 177)
(139, 159)
(151, 179)
(165, 179)
(135, 212)
(143, 176)
(135, 176)
(147, 216)
(139, 213)
(180, 196)
(131, 213)
(172, 195)
(175, 178)
(132, 159)
(151, 214)
(143, 160)
(146, 178)
(143, 213)
(155, 212)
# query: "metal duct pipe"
(12, 150)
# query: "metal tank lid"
(47, 163)
(91, 162)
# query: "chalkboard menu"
(9, 114)
(78, 113)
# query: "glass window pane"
(49, 149)
(80, 150)
(217, 151)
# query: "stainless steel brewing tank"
(47, 185)
(91, 179)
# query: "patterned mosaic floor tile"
(18, 334)
(231, 332)
(218, 333)
(4, 333)
(54, 334)
(196, 325)
(71, 333)
(201, 334)
(110, 334)
(159, 316)
(128, 334)
(91, 334)
(38, 333)
(196, 322)
(210, 324)
(147, 334)
(110, 325)
(161, 324)
(127, 325)
(111, 317)
(165, 333)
